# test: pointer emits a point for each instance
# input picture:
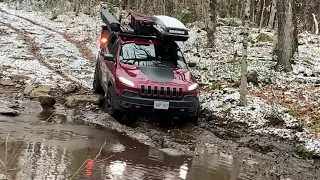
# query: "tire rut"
(81, 45)
(35, 51)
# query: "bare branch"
(6, 157)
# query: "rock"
(47, 100)
(75, 100)
(301, 42)
(253, 78)
(18, 85)
(28, 89)
(230, 22)
(260, 44)
(40, 91)
(267, 81)
(4, 110)
(20, 78)
(263, 37)
(229, 90)
(6, 82)
(308, 72)
(71, 88)
(299, 69)
(313, 41)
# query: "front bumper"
(144, 106)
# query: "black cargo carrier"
(112, 23)
(163, 27)
(141, 23)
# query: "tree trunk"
(211, 29)
(272, 14)
(262, 14)
(62, 6)
(316, 23)
(253, 12)
(244, 65)
(305, 14)
(295, 9)
(76, 7)
(286, 41)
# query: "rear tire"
(97, 88)
(109, 105)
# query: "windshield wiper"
(159, 64)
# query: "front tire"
(97, 88)
(195, 119)
(109, 105)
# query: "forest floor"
(55, 58)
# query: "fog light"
(129, 93)
(123, 103)
(192, 109)
(182, 110)
(190, 98)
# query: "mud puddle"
(33, 148)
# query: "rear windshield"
(165, 56)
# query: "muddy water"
(56, 149)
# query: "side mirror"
(192, 64)
(108, 57)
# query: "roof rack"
(141, 26)
(137, 36)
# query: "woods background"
(288, 17)
(262, 12)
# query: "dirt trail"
(55, 50)
(34, 49)
(81, 45)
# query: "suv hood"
(157, 75)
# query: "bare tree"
(211, 28)
(76, 7)
(244, 65)
(272, 14)
(286, 46)
(262, 14)
(62, 5)
(316, 24)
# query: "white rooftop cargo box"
(169, 28)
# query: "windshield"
(166, 56)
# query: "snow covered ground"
(279, 103)
(291, 99)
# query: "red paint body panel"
(183, 78)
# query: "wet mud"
(86, 143)
(34, 148)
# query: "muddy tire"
(109, 103)
(97, 88)
(195, 119)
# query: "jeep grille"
(161, 91)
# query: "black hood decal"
(158, 74)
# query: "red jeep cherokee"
(144, 75)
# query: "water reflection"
(39, 160)
(117, 169)
(55, 151)
(183, 171)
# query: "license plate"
(161, 105)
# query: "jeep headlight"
(126, 82)
(193, 87)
